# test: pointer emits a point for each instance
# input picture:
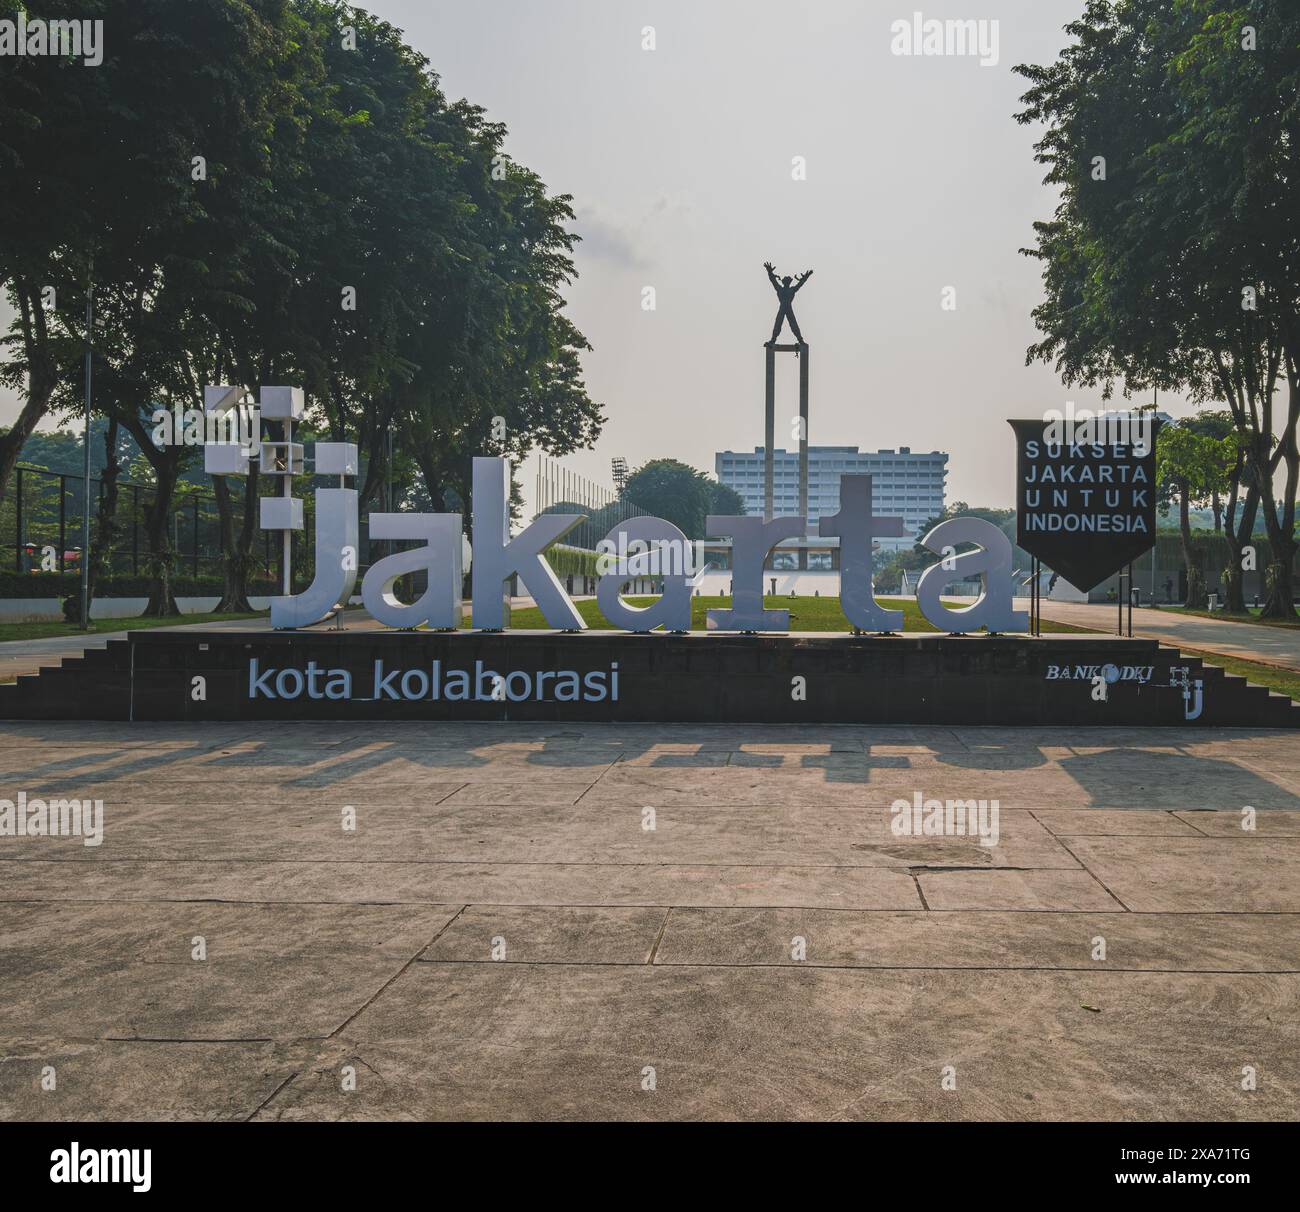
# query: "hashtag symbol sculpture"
(336, 508)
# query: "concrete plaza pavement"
(503, 936)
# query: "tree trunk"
(1280, 602)
(1279, 523)
(236, 547)
(1238, 536)
(1278, 584)
(11, 443)
(1196, 597)
(105, 527)
(41, 381)
(160, 563)
(162, 556)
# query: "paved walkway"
(19, 657)
(1268, 645)
(1247, 641)
(650, 922)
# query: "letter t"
(857, 527)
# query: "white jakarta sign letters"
(497, 557)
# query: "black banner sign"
(1086, 508)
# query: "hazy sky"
(679, 160)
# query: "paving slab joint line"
(1194, 828)
(266, 1102)
(1089, 870)
(420, 951)
(1169, 812)
(663, 926)
(596, 780)
(916, 880)
(167, 1039)
(826, 966)
(898, 866)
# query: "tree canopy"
(1172, 131)
(271, 192)
(680, 494)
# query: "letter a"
(439, 605)
(993, 565)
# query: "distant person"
(1169, 591)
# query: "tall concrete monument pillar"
(803, 356)
(769, 427)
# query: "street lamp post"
(85, 494)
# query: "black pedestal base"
(373, 675)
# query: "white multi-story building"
(904, 484)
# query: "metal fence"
(40, 521)
(561, 490)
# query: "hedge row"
(60, 584)
(566, 561)
(571, 561)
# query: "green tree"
(725, 500)
(889, 565)
(343, 227)
(164, 148)
(49, 214)
(1000, 518)
(1195, 466)
(458, 256)
(1172, 259)
(674, 491)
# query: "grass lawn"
(1251, 616)
(1284, 681)
(42, 631)
(806, 614)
